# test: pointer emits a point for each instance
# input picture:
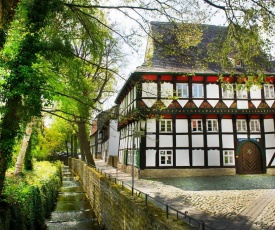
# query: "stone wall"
(270, 171)
(116, 208)
(160, 173)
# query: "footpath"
(219, 209)
(73, 210)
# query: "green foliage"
(21, 86)
(32, 195)
(52, 140)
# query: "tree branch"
(215, 5)
(110, 7)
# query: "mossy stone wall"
(116, 208)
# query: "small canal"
(73, 210)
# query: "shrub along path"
(73, 210)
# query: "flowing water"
(73, 210)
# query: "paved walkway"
(219, 209)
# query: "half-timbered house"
(177, 119)
(104, 137)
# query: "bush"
(32, 195)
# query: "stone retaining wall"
(116, 208)
(270, 171)
(160, 173)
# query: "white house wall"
(182, 102)
(149, 102)
(198, 157)
(113, 139)
(228, 103)
(165, 141)
(151, 126)
(205, 148)
(213, 158)
(181, 126)
(269, 155)
(197, 141)
(255, 92)
(212, 91)
(242, 136)
(256, 103)
(182, 157)
(227, 125)
(213, 140)
(151, 141)
(242, 104)
(150, 158)
(227, 141)
(166, 90)
(270, 103)
(149, 89)
(182, 141)
(269, 140)
(269, 125)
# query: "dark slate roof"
(165, 55)
(105, 116)
(165, 51)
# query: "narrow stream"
(73, 210)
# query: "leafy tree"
(21, 91)
(86, 70)
(52, 140)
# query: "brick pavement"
(219, 209)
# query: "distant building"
(176, 119)
(104, 137)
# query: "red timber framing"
(220, 111)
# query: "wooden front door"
(249, 159)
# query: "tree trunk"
(84, 142)
(72, 145)
(75, 146)
(28, 163)
(9, 129)
(24, 146)
(82, 152)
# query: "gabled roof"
(105, 116)
(169, 51)
(175, 46)
(93, 128)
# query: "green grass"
(32, 195)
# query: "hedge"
(28, 199)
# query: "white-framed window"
(241, 93)
(196, 125)
(165, 157)
(182, 90)
(212, 125)
(228, 157)
(228, 91)
(268, 91)
(241, 126)
(165, 125)
(254, 125)
(197, 90)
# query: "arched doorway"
(249, 158)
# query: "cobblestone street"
(242, 208)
